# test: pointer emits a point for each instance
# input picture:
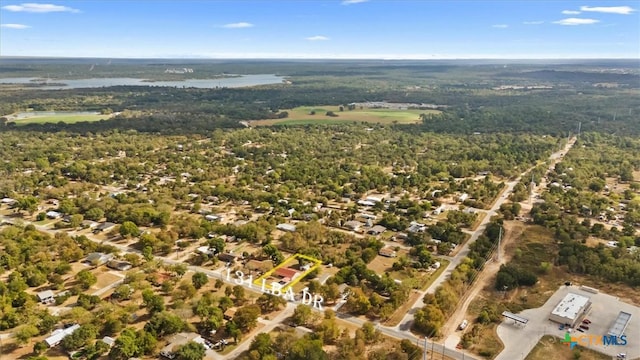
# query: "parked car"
(579, 329)
(586, 321)
(584, 327)
(561, 327)
(464, 324)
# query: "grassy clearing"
(301, 116)
(550, 347)
(400, 312)
(66, 118)
(533, 246)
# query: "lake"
(230, 82)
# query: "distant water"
(231, 82)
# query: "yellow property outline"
(316, 265)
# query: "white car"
(464, 324)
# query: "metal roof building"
(570, 309)
(620, 325)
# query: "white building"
(286, 227)
(53, 214)
(570, 309)
(57, 336)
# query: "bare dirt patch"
(105, 278)
(550, 347)
(381, 264)
(400, 313)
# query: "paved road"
(269, 326)
(402, 330)
(407, 321)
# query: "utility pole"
(531, 185)
(424, 357)
(499, 243)
(580, 126)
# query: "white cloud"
(533, 22)
(500, 26)
(14, 26)
(238, 25)
(317, 38)
(622, 10)
(349, 2)
(576, 21)
(570, 12)
(39, 8)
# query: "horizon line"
(315, 58)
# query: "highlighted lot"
(288, 273)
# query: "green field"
(66, 118)
(301, 116)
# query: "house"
(377, 230)
(213, 217)
(286, 227)
(89, 224)
(46, 297)
(119, 265)
(59, 334)
(436, 265)
(366, 203)
(53, 214)
(206, 250)
(353, 225)
(387, 252)
(213, 199)
(463, 197)
(228, 257)
(8, 201)
(373, 199)
(287, 274)
(109, 341)
(366, 216)
(230, 313)
(97, 258)
(438, 210)
(415, 227)
(178, 340)
(105, 226)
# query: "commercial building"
(570, 309)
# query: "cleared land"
(301, 116)
(550, 347)
(68, 118)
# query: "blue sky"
(419, 29)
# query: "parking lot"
(519, 340)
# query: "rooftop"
(620, 325)
(571, 306)
(286, 272)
